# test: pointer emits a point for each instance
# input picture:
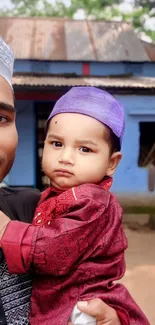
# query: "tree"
(141, 15)
(58, 8)
(145, 3)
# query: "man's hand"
(104, 314)
(4, 220)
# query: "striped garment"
(15, 293)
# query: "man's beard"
(5, 165)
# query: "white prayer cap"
(6, 62)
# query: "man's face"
(8, 132)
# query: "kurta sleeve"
(58, 249)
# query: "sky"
(7, 3)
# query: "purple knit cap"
(95, 103)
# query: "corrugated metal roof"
(47, 81)
(150, 50)
(63, 39)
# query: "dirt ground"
(140, 273)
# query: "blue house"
(53, 55)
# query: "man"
(15, 290)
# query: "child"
(75, 247)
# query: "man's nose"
(66, 156)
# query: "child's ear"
(114, 161)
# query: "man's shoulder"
(21, 202)
(19, 190)
(20, 193)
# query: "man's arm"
(19, 203)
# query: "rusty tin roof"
(71, 40)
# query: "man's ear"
(114, 161)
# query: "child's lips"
(63, 172)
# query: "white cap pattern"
(6, 62)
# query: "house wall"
(129, 177)
(47, 67)
(146, 69)
(23, 170)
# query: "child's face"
(76, 151)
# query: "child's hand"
(4, 220)
(104, 314)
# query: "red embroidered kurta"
(75, 249)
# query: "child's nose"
(66, 156)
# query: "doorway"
(43, 110)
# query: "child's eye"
(85, 149)
(56, 144)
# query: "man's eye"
(85, 149)
(3, 119)
(57, 144)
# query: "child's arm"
(69, 240)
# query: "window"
(147, 151)
(42, 112)
(147, 144)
